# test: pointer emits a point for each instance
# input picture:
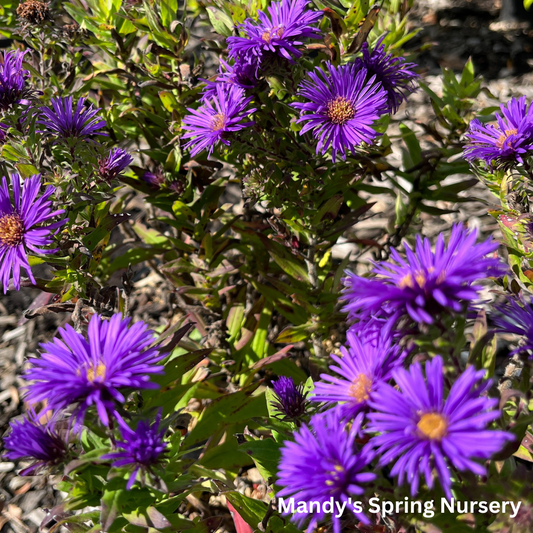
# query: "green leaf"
(411, 141)
(110, 508)
(221, 22)
(228, 409)
(265, 454)
(252, 511)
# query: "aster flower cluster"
(90, 375)
(340, 103)
(380, 409)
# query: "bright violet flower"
(291, 401)
(115, 163)
(518, 319)
(367, 362)
(241, 73)
(65, 122)
(428, 283)
(143, 448)
(289, 24)
(217, 119)
(94, 371)
(321, 464)
(341, 108)
(22, 228)
(395, 75)
(33, 438)
(419, 430)
(506, 142)
(13, 79)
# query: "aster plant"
(13, 79)
(95, 370)
(506, 142)
(517, 317)
(142, 448)
(36, 437)
(340, 108)
(396, 75)
(26, 226)
(428, 282)
(114, 164)
(291, 400)
(217, 120)
(290, 23)
(324, 462)
(419, 429)
(363, 365)
(64, 121)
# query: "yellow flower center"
(338, 469)
(218, 121)
(98, 372)
(360, 388)
(504, 136)
(433, 426)
(420, 277)
(11, 230)
(340, 110)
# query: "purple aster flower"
(506, 142)
(94, 371)
(368, 361)
(111, 166)
(65, 122)
(395, 75)
(217, 119)
(518, 319)
(241, 73)
(289, 24)
(142, 448)
(12, 79)
(35, 439)
(321, 464)
(291, 400)
(428, 283)
(22, 228)
(421, 430)
(341, 108)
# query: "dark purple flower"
(117, 160)
(65, 122)
(324, 463)
(395, 75)
(429, 282)
(12, 78)
(22, 228)
(142, 448)
(241, 73)
(506, 142)
(217, 119)
(155, 179)
(289, 24)
(341, 108)
(35, 439)
(291, 401)
(420, 430)
(518, 319)
(94, 371)
(367, 362)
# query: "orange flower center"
(504, 136)
(360, 388)
(433, 426)
(340, 110)
(11, 230)
(217, 122)
(267, 35)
